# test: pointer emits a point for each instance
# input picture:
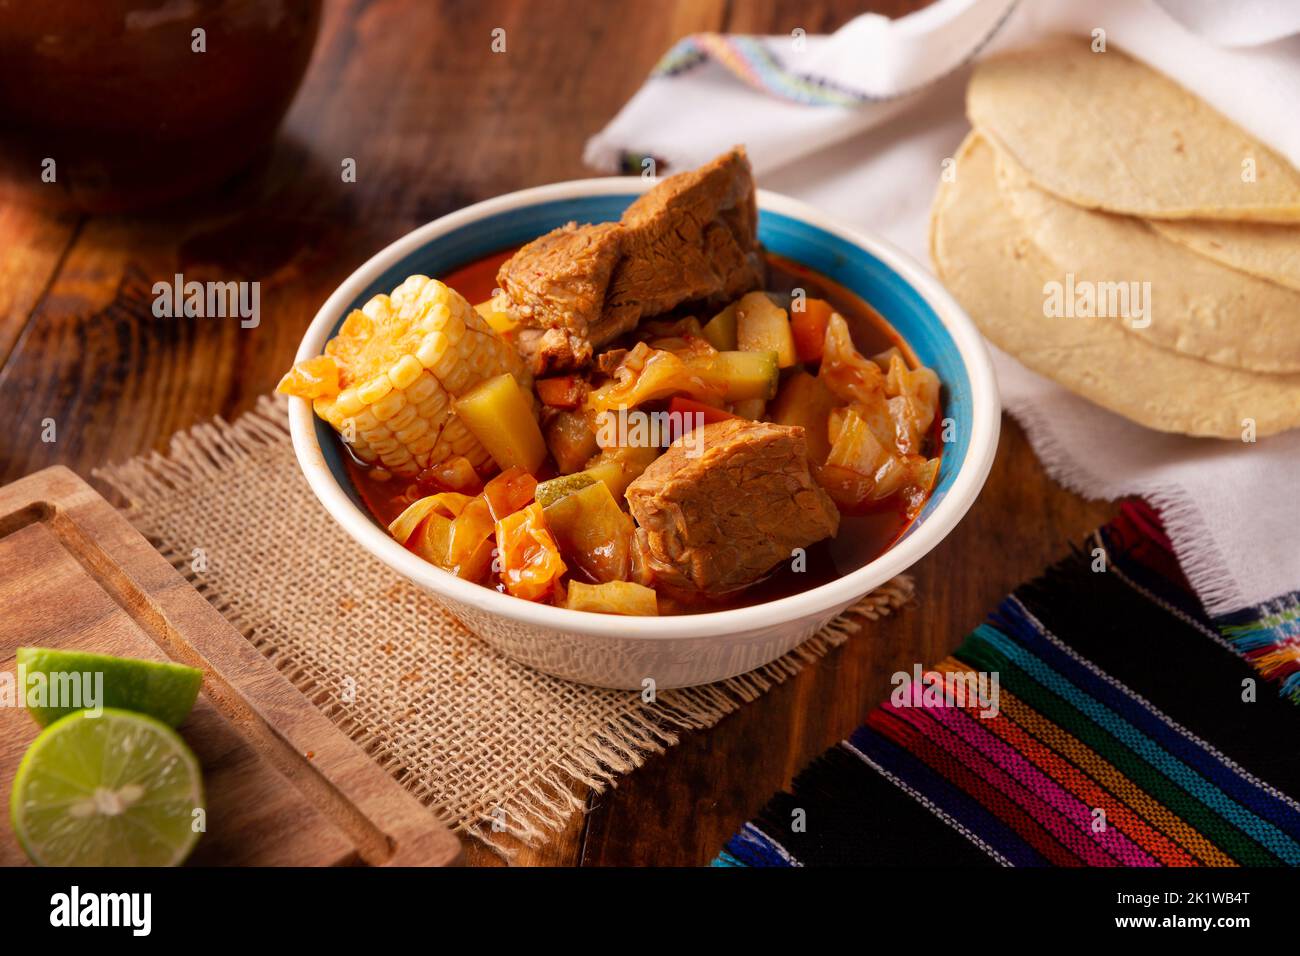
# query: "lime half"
(120, 789)
(74, 680)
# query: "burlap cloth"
(492, 747)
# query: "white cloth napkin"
(1232, 509)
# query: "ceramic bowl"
(673, 651)
(134, 116)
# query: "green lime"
(120, 789)
(74, 680)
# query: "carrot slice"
(686, 413)
(562, 392)
(809, 329)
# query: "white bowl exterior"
(622, 661)
(677, 650)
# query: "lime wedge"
(75, 680)
(115, 790)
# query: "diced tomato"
(809, 329)
(686, 413)
(562, 392)
(509, 491)
(454, 474)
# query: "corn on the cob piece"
(388, 380)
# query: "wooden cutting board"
(284, 785)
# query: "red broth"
(861, 538)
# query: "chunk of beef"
(693, 238)
(720, 520)
(556, 288)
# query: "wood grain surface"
(435, 120)
(284, 785)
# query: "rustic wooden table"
(435, 120)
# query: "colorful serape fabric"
(1268, 635)
(1124, 729)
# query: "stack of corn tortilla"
(1116, 234)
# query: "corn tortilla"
(1269, 250)
(983, 255)
(1193, 304)
(1107, 132)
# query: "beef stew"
(746, 433)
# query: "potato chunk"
(763, 326)
(613, 597)
(499, 415)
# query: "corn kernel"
(451, 327)
(411, 432)
(423, 388)
(389, 405)
(399, 461)
(348, 403)
(384, 446)
(404, 418)
(432, 349)
(424, 443)
(405, 372)
(375, 389)
(379, 308)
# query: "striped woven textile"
(768, 64)
(1268, 635)
(1124, 729)
(753, 62)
